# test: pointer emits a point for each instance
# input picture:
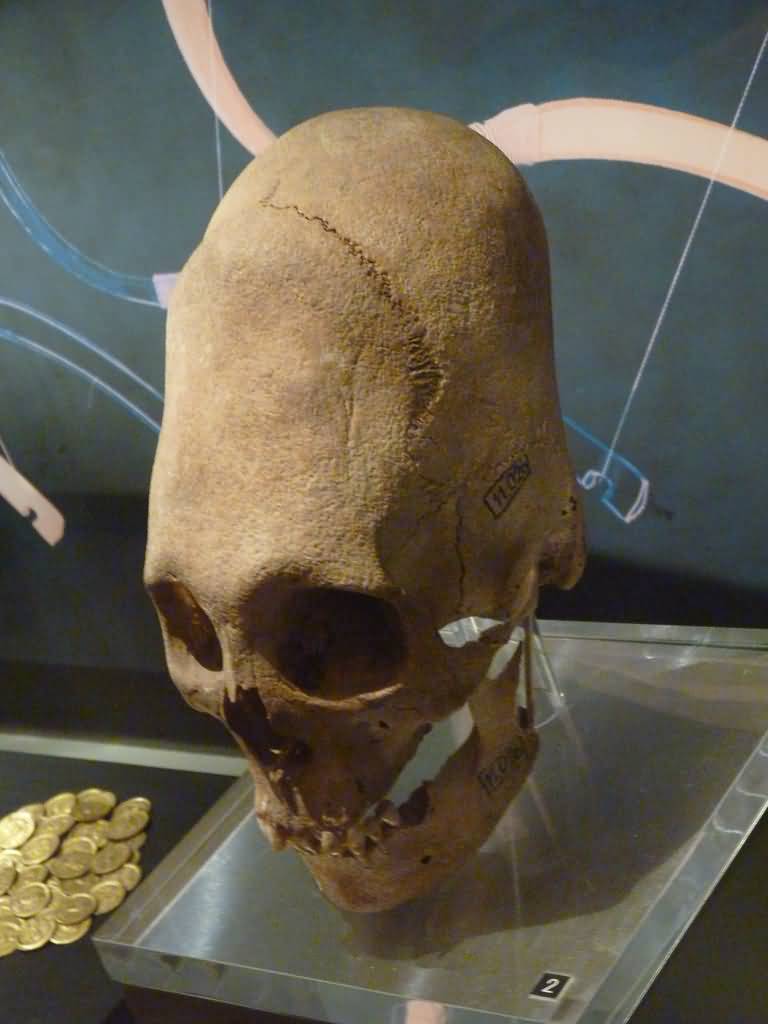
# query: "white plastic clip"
(44, 518)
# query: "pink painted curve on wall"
(195, 38)
(604, 129)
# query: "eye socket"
(339, 643)
(186, 624)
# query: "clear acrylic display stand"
(652, 772)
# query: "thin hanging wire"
(683, 258)
(81, 339)
(528, 666)
(216, 122)
(80, 371)
(5, 451)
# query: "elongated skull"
(361, 444)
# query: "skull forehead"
(396, 235)
(435, 218)
(435, 225)
(285, 400)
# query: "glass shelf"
(651, 775)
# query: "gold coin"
(93, 804)
(129, 876)
(9, 937)
(74, 909)
(77, 857)
(56, 897)
(13, 856)
(33, 873)
(62, 803)
(5, 908)
(15, 829)
(136, 842)
(36, 810)
(135, 857)
(34, 932)
(96, 831)
(79, 844)
(7, 875)
(31, 899)
(130, 823)
(70, 886)
(40, 848)
(135, 803)
(65, 933)
(95, 794)
(62, 867)
(108, 895)
(59, 824)
(112, 857)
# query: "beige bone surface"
(362, 443)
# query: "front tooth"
(356, 837)
(274, 833)
(358, 852)
(387, 812)
(374, 830)
(355, 834)
(327, 841)
(311, 842)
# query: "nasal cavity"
(247, 718)
(339, 643)
(186, 624)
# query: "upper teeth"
(388, 813)
(358, 839)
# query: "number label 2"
(550, 986)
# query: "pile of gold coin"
(65, 861)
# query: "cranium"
(362, 443)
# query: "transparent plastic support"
(550, 698)
(653, 770)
